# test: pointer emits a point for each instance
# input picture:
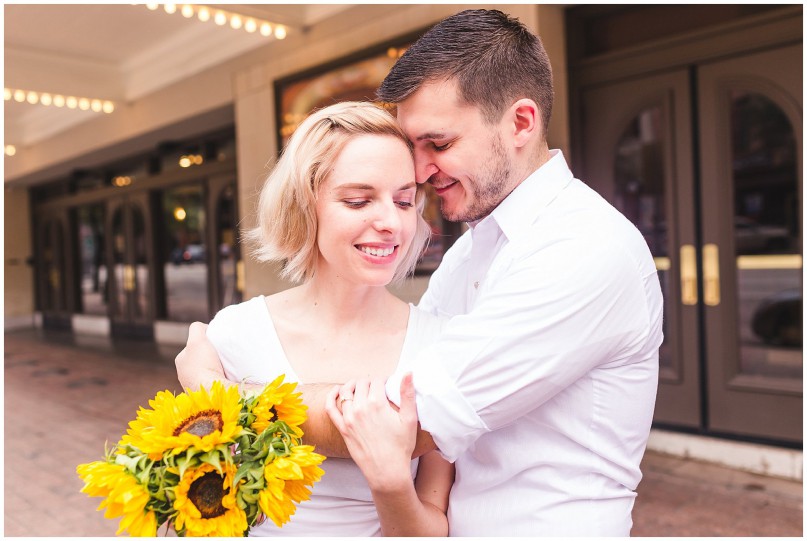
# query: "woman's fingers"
(347, 389)
(408, 410)
(346, 392)
(333, 410)
(378, 391)
(360, 392)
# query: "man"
(543, 385)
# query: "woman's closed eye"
(360, 203)
(355, 203)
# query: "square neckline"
(291, 373)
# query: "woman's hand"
(379, 436)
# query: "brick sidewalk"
(62, 402)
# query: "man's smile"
(442, 185)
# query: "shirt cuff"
(442, 410)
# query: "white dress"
(341, 503)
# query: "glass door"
(227, 287)
(637, 154)
(54, 295)
(185, 253)
(93, 275)
(751, 170)
(129, 261)
(715, 187)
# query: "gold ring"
(341, 401)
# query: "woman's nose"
(387, 218)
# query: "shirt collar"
(525, 203)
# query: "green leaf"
(183, 462)
(130, 463)
(214, 459)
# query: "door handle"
(239, 276)
(711, 275)
(55, 278)
(689, 275)
(128, 278)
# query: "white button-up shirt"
(543, 384)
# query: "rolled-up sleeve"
(541, 322)
(443, 410)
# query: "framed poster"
(356, 78)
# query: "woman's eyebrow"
(355, 186)
(369, 188)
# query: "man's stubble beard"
(487, 189)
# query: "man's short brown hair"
(494, 59)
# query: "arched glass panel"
(185, 253)
(47, 265)
(640, 178)
(141, 268)
(94, 288)
(52, 255)
(229, 253)
(639, 194)
(767, 237)
(119, 261)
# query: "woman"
(342, 210)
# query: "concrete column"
(550, 25)
(18, 307)
(256, 139)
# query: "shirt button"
(476, 285)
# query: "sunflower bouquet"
(208, 463)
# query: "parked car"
(190, 253)
(754, 238)
(777, 321)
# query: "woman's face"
(366, 214)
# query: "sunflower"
(279, 401)
(206, 503)
(123, 496)
(274, 503)
(199, 419)
(287, 481)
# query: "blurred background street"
(65, 396)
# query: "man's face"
(463, 157)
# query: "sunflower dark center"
(201, 423)
(207, 493)
(273, 411)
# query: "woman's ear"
(525, 116)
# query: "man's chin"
(450, 213)
(464, 215)
(459, 209)
(455, 216)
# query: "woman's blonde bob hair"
(287, 218)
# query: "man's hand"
(198, 364)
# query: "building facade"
(686, 118)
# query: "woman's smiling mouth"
(377, 251)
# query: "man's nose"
(424, 166)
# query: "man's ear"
(525, 116)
